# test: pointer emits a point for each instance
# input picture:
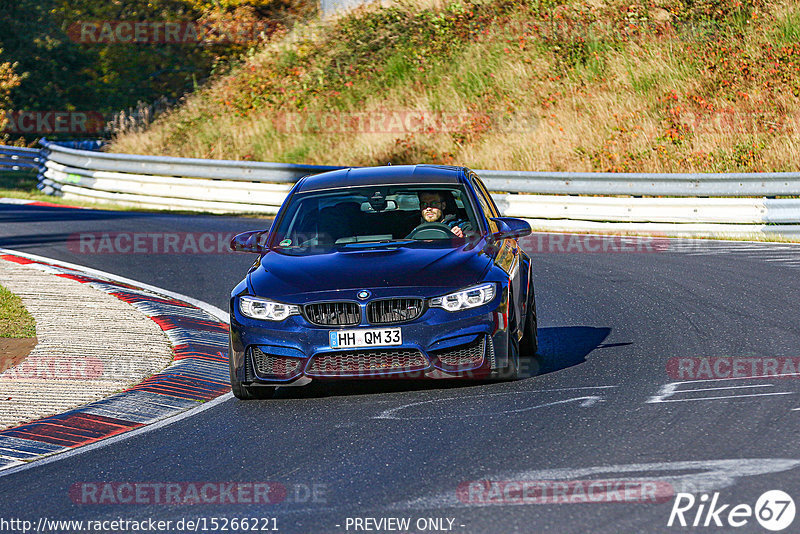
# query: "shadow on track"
(12, 213)
(559, 348)
(564, 346)
(20, 242)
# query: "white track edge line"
(56, 456)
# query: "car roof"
(387, 175)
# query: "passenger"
(434, 207)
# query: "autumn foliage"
(633, 85)
(56, 70)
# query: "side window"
(488, 207)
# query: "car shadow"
(559, 348)
(342, 388)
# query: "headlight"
(471, 297)
(268, 310)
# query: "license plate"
(365, 338)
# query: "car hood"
(278, 275)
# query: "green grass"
(787, 31)
(297, 153)
(398, 70)
(645, 83)
(15, 321)
(14, 184)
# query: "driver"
(433, 207)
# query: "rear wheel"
(530, 339)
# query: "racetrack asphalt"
(608, 408)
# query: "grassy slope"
(15, 321)
(653, 86)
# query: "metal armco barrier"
(180, 167)
(14, 158)
(698, 204)
(612, 183)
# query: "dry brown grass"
(650, 106)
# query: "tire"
(511, 370)
(242, 392)
(253, 392)
(530, 342)
(530, 336)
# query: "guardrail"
(725, 204)
(18, 158)
(170, 183)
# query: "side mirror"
(254, 241)
(510, 228)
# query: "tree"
(8, 81)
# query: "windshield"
(318, 222)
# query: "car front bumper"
(439, 344)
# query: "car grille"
(392, 311)
(467, 356)
(333, 313)
(366, 362)
(272, 366)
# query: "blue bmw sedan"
(396, 271)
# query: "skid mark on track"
(698, 476)
(585, 401)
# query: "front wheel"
(252, 392)
(240, 391)
(511, 370)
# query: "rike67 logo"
(774, 510)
